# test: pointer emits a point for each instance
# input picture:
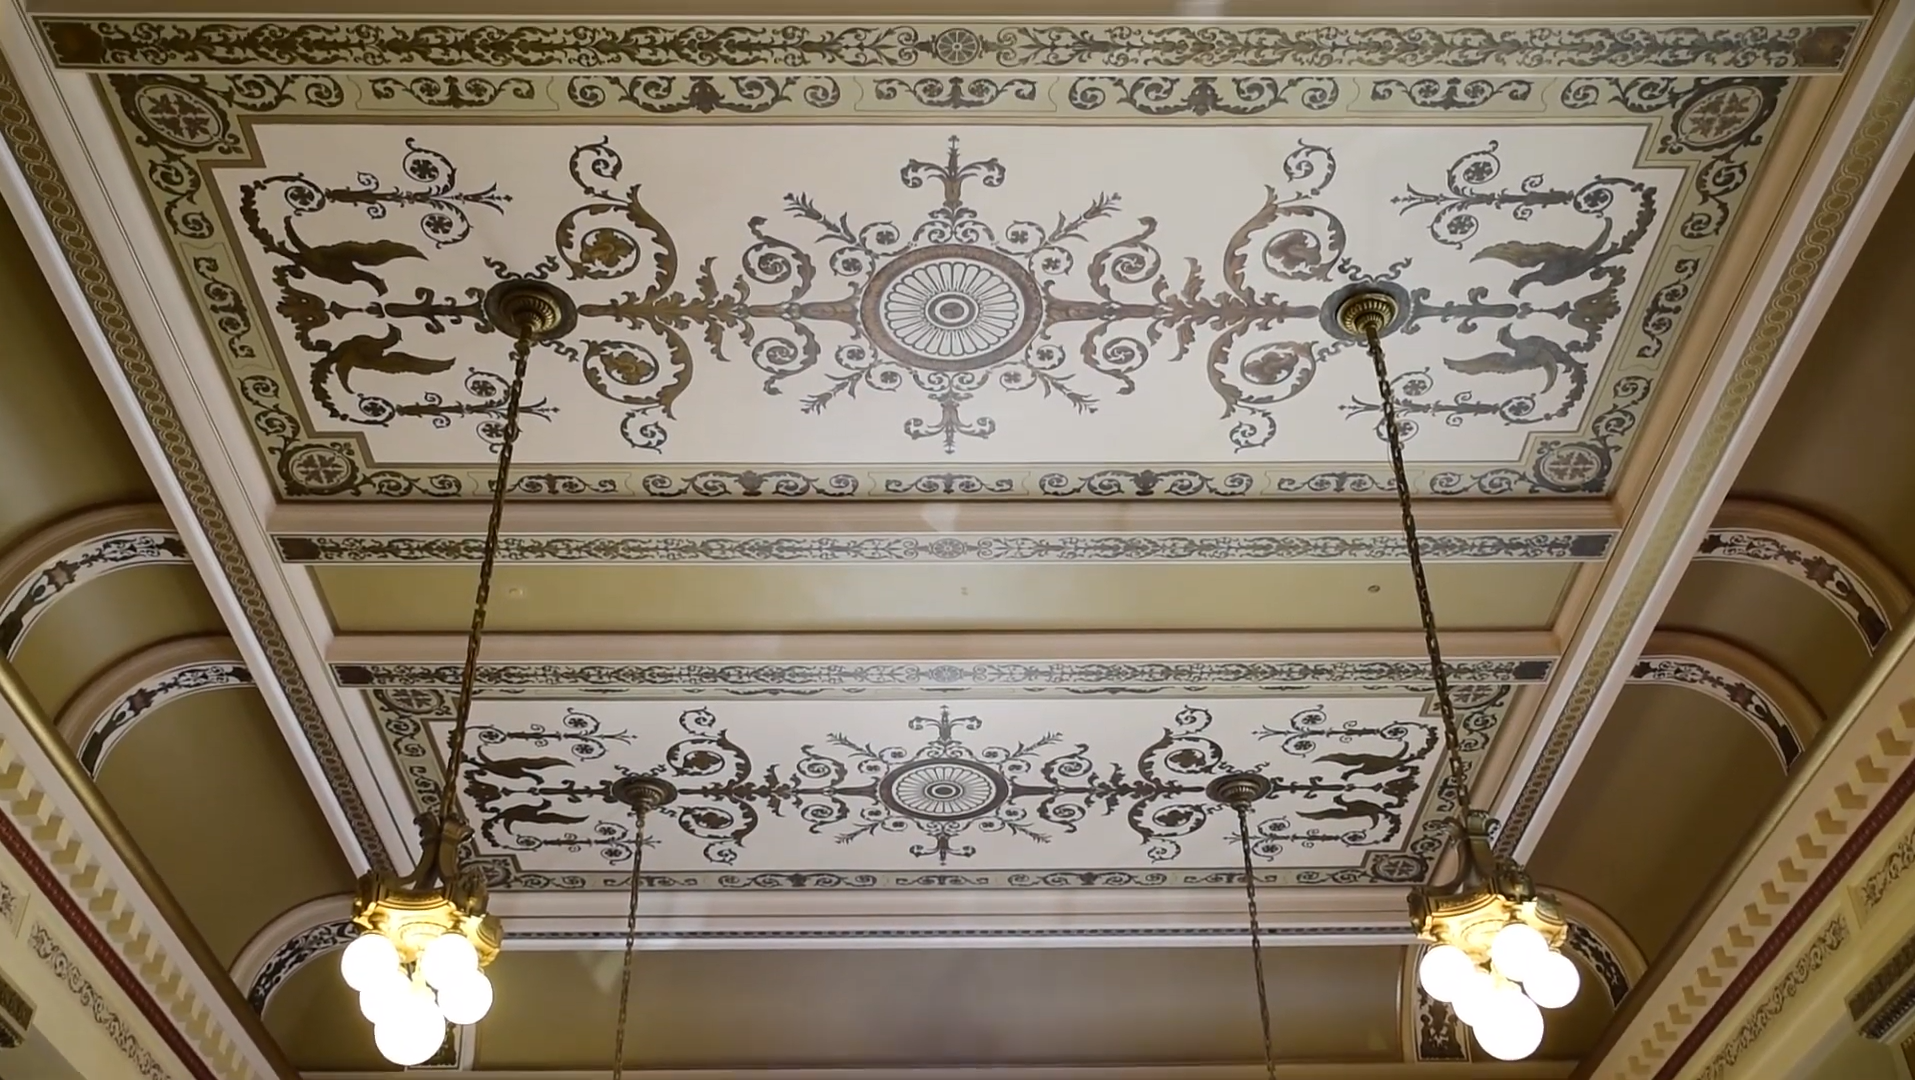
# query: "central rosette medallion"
(953, 307)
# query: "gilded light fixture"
(426, 938)
(1495, 943)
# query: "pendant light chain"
(1459, 775)
(455, 748)
(1256, 938)
(631, 941)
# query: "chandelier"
(1495, 943)
(426, 938)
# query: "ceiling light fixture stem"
(631, 939)
(1256, 938)
(1371, 325)
(449, 808)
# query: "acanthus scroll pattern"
(542, 788)
(1539, 367)
(955, 307)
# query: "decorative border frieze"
(1875, 887)
(1816, 552)
(109, 1021)
(76, 565)
(1825, 945)
(941, 548)
(1701, 45)
(295, 953)
(1728, 687)
(98, 738)
(1086, 677)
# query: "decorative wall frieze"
(69, 553)
(1730, 46)
(1793, 982)
(112, 704)
(123, 1034)
(1816, 552)
(1781, 712)
(1877, 886)
(1887, 998)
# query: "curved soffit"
(103, 713)
(1781, 712)
(73, 551)
(1868, 593)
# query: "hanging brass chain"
(449, 808)
(1438, 674)
(1256, 939)
(631, 941)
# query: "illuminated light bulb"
(412, 1028)
(468, 1000)
(1512, 1026)
(407, 1042)
(1475, 991)
(1443, 971)
(448, 960)
(371, 958)
(1553, 981)
(1515, 949)
(380, 997)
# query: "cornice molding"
(1781, 711)
(137, 685)
(1816, 552)
(1774, 901)
(61, 557)
(83, 861)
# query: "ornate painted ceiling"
(895, 285)
(955, 466)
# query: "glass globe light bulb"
(412, 1028)
(449, 959)
(369, 959)
(407, 1041)
(468, 1000)
(1553, 981)
(1475, 992)
(1515, 948)
(1443, 971)
(382, 995)
(1515, 1029)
